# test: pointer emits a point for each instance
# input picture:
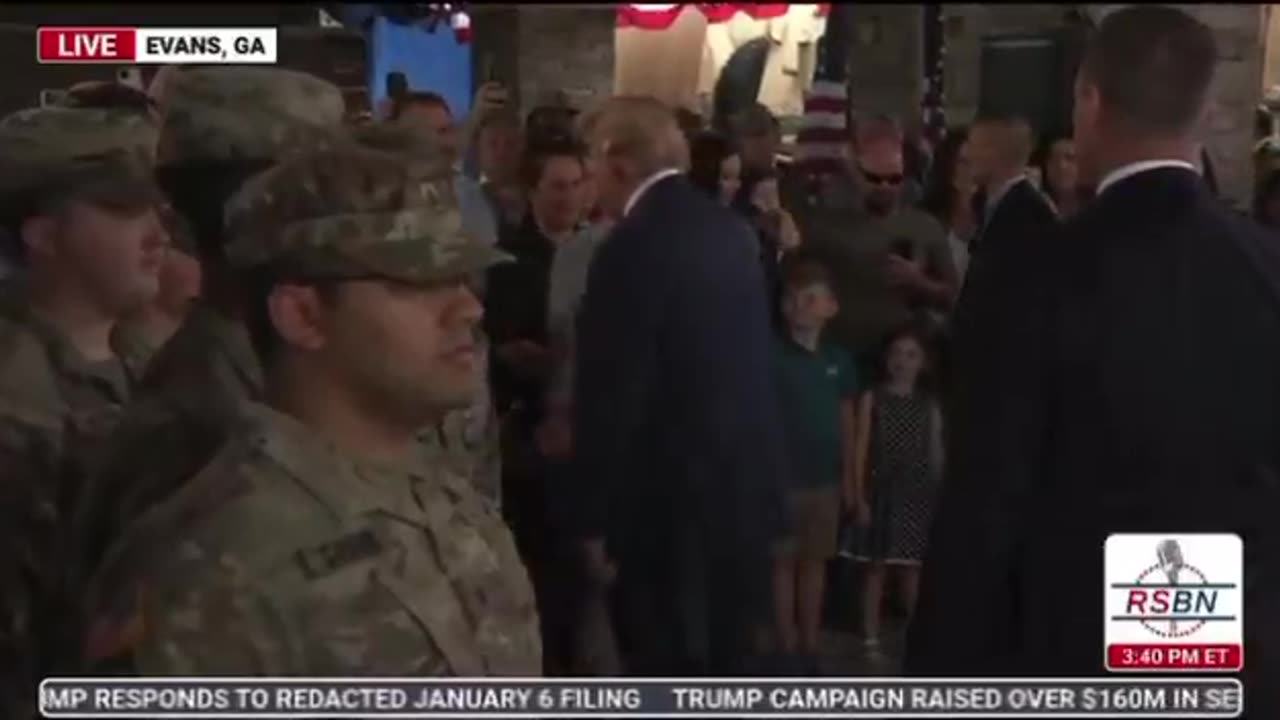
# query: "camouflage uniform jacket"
(189, 397)
(286, 556)
(56, 410)
(42, 373)
(208, 362)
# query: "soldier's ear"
(298, 315)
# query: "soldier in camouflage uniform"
(220, 126)
(78, 202)
(316, 542)
(467, 439)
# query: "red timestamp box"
(1175, 657)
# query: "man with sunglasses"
(889, 261)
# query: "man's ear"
(299, 315)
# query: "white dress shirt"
(643, 187)
(1132, 169)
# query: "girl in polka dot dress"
(899, 462)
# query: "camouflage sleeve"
(33, 627)
(154, 450)
(208, 618)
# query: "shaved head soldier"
(381, 565)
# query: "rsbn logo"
(1174, 602)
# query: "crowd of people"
(606, 392)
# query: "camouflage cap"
(352, 212)
(245, 113)
(43, 145)
(413, 143)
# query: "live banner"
(621, 698)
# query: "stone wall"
(538, 50)
(1239, 31)
(1237, 90)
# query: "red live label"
(85, 44)
(1175, 657)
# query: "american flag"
(934, 100)
(824, 128)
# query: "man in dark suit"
(677, 432)
(1146, 397)
(1018, 225)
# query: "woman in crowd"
(1059, 175)
(950, 193)
(715, 166)
(1266, 201)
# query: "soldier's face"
(112, 257)
(409, 352)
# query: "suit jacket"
(1006, 259)
(678, 442)
(1145, 397)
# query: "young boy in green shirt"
(817, 389)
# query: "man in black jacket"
(1002, 270)
(1146, 396)
(678, 441)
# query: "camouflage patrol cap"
(217, 114)
(414, 144)
(349, 213)
(110, 148)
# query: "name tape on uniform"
(156, 46)
(615, 698)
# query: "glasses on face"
(878, 179)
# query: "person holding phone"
(890, 262)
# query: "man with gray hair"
(381, 566)
(677, 425)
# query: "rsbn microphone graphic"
(1169, 553)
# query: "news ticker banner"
(618, 698)
(156, 46)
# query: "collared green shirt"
(812, 385)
